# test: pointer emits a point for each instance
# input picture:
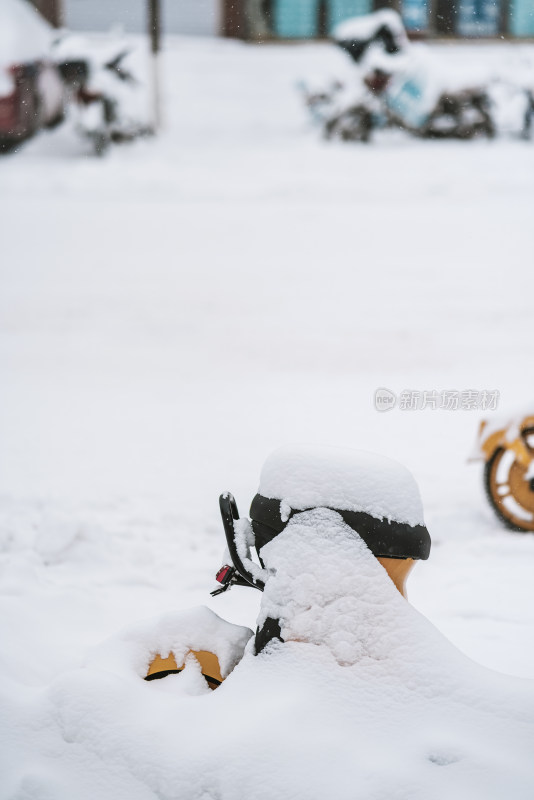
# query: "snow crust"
(306, 476)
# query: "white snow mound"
(308, 476)
(24, 34)
(178, 632)
(365, 699)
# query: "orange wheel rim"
(511, 491)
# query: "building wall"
(196, 17)
(301, 19)
(522, 17)
(304, 19)
(479, 17)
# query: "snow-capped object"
(24, 34)
(364, 27)
(510, 427)
(178, 633)
(323, 583)
(309, 476)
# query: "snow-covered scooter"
(344, 690)
(374, 499)
(104, 91)
(508, 452)
(397, 85)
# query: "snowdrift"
(364, 699)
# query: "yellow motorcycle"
(508, 451)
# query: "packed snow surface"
(306, 476)
(172, 313)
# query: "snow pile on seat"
(178, 633)
(24, 35)
(308, 476)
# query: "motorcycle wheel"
(509, 493)
(460, 117)
(482, 126)
(353, 125)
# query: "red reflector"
(222, 573)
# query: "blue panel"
(340, 10)
(296, 19)
(479, 17)
(522, 17)
(407, 99)
(415, 14)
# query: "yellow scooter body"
(508, 452)
(209, 664)
(491, 440)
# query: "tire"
(8, 145)
(501, 473)
(462, 116)
(353, 125)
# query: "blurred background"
(298, 18)
(223, 227)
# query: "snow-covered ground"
(173, 312)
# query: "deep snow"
(171, 314)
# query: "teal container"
(479, 17)
(340, 10)
(299, 19)
(415, 15)
(296, 19)
(521, 20)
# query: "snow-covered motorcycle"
(508, 452)
(397, 85)
(316, 703)
(104, 91)
(374, 500)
